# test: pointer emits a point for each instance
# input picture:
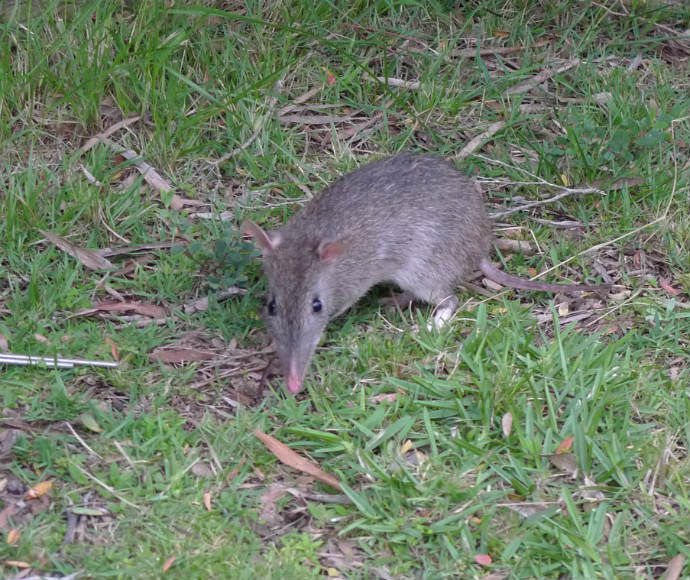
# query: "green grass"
(432, 479)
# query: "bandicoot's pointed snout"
(294, 378)
(294, 384)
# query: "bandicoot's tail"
(493, 273)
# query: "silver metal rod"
(34, 361)
(55, 362)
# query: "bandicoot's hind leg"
(440, 293)
(435, 287)
(398, 300)
(443, 312)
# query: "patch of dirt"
(226, 375)
(283, 509)
(97, 388)
(17, 509)
(89, 521)
(19, 503)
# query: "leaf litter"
(241, 371)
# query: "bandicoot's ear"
(267, 243)
(330, 251)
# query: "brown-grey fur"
(410, 219)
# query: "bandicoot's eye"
(316, 305)
(271, 308)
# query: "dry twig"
(540, 77)
(480, 139)
(100, 137)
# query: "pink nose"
(294, 383)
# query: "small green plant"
(301, 548)
(228, 260)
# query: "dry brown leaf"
(179, 202)
(90, 259)
(674, 567)
(132, 264)
(150, 310)
(113, 348)
(235, 470)
(637, 260)
(4, 346)
(483, 559)
(89, 421)
(202, 469)
(13, 536)
(17, 563)
(40, 489)
(168, 563)
(670, 289)
(527, 509)
(384, 397)
(180, 355)
(566, 445)
(564, 461)
(507, 424)
(207, 500)
(292, 459)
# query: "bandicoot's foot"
(444, 312)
